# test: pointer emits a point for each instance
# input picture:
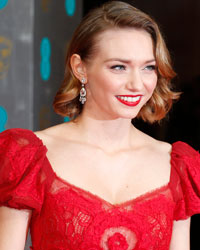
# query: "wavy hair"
(117, 14)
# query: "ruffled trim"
(21, 175)
(185, 180)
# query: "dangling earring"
(82, 98)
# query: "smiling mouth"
(129, 100)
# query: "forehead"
(125, 42)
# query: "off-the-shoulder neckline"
(143, 196)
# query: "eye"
(150, 67)
(118, 67)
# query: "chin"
(128, 116)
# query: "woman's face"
(121, 74)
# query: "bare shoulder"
(156, 146)
(56, 133)
(161, 146)
(156, 161)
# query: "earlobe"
(78, 67)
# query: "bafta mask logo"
(45, 5)
(5, 54)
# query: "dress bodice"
(66, 217)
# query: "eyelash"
(150, 67)
(118, 67)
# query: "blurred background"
(34, 36)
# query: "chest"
(85, 221)
(117, 177)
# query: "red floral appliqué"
(66, 217)
(117, 242)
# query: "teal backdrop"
(33, 41)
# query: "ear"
(78, 67)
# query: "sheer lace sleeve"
(185, 180)
(21, 177)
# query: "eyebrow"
(127, 61)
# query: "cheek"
(103, 84)
(151, 83)
(97, 87)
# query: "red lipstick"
(129, 100)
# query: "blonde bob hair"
(116, 14)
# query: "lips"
(129, 100)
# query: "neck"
(109, 135)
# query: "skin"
(120, 68)
(117, 170)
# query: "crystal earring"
(82, 98)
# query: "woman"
(100, 183)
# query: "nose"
(135, 82)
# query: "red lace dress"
(66, 217)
